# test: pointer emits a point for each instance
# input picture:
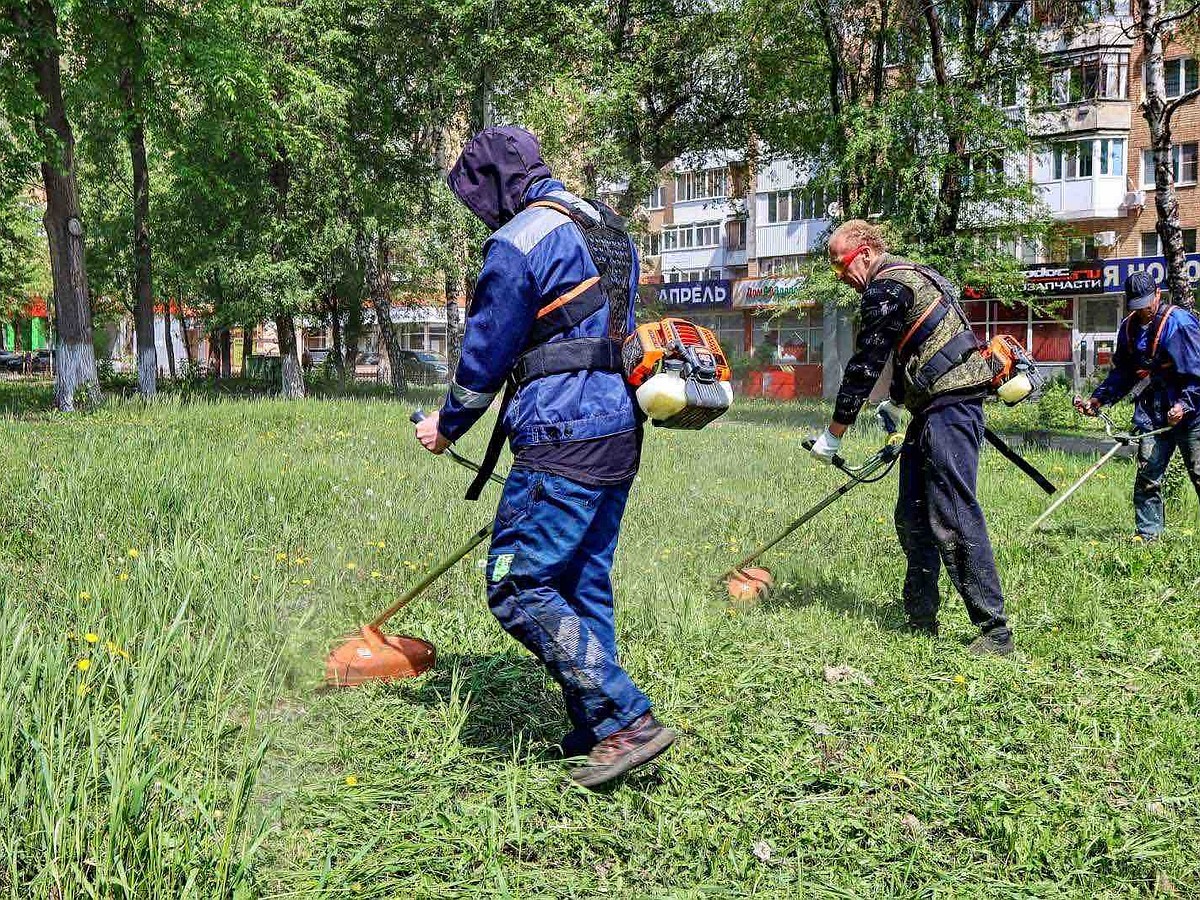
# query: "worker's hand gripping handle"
(836, 460)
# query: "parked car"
(315, 358)
(41, 361)
(424, 367)
(12, 361)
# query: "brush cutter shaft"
(857, 475)
(433, 575)
(1065, 495)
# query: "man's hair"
(859, 232)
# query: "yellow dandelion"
(351, 780)
(382, 545)
(960, 679)
(91, 638)
(83, 687)
(280, 557)
(376, 573)
(133, 552)
(1137, 539)
(351, 566)
(124, 576)
(306, 581)
(84, 595)
(298, 561)
(83, 664)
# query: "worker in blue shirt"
(553, 302)
(1160, 342)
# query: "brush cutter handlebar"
(419, 416)
(884, 454)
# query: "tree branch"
(1165, 21)
(1169, 109)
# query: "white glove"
(889, 415)
(826, 446)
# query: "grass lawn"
(172, 577)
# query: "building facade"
(728, 246)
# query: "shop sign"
(769, 292)
(1106, 276)
(710, 294)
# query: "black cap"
(1140, 290)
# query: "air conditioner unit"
(1134, 200)
(1105, 238)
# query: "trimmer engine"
(1015, 374)
(680, 373)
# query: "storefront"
(1071, 326)
(29, 329)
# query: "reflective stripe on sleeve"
(469, 398)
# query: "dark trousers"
(938, 517)
(548, 585)
(1154, 455)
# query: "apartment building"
(727, 245)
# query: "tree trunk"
(75, 356)
(225, 356)
(289, 358)
(1157, 113)
(183, 336)
(247, 346)
(352, 333)
(335, 325)
(381, 300)
(143, 289)
(168, 339)
(455, 288)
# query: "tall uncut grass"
(173, 575)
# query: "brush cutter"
(372, 655)
(1120, 438)
(754, 583)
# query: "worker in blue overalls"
(553, 302)
(1160, 342)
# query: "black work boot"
(632, 746)
(996, 642)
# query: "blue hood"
(495, 171)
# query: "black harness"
(955, 351)
(607, 243)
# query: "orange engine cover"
(645, 349)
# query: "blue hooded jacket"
(1174, 369)
(534, 257)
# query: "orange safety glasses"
(841, 265)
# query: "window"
(692, 236)
(1112, 156)
(1181, 75)
(1079, 249)
(1099, 314)
(652, 243)
(735, 234)
(1152, 246)
(797, 204)
(1184, 158)
(657, 198)
(675, 276)
(797, 337)
(316, 340)
(983, 170)
(729, 328)
(1047, 335)
(1097, 76)
(780, 266)
(1072, 159)
(1003, 91)
(711, 184)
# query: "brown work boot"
(632, 746)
